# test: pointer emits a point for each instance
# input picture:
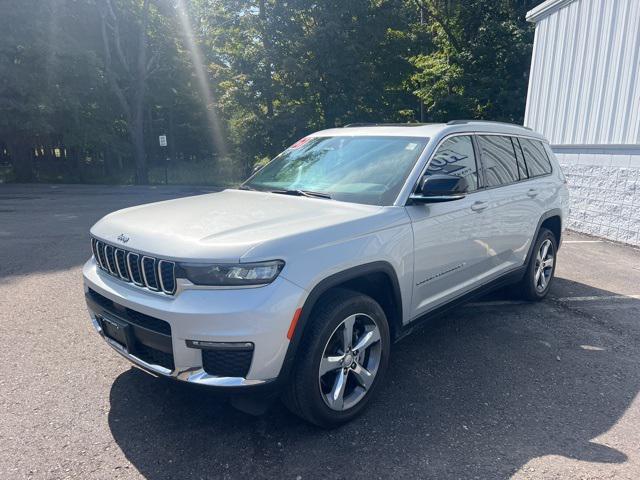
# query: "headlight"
(226, 275)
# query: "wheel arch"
(376, 279)
(554, 224)
(551, 219)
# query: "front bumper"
(259, 316)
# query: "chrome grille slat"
(170, 289)
(94, 249)
(101, 257)
(109, 256)
(142, 270)
(119, 253)
(136, 275)
(151, 282)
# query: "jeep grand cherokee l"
(299, 281)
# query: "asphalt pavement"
(496, 389)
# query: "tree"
(282, 69)
(45, 76)
(480, 65)
(128, 74)
(239, 80)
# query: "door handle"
(532, 192)
(479, 206)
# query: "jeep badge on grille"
(123, 238)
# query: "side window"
(535, 157)
(498, 160)
(456, 157)
(522, 166)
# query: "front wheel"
(540, 269)
(341, 361)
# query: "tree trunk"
(140, 154)
(142, 175)
(328, 110)
(132, 104)
(266, 44)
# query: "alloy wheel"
(350, 362)
(544, 265)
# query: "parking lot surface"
(496, 389)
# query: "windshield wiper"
(303, 193)
(246, 187)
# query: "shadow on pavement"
(476, 394)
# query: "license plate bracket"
(118, 331)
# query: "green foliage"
(232, 82)
(480, 63)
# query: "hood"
(222, 226)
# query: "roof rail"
(463, 122)
(353, 125)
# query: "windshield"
(358, 169)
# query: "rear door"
(543, 187)
(451, 252)
(513, 211)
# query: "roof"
(428, 130)
(545, 9)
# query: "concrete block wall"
(605, 192)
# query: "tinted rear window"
(535, 157)
(522, 166)
(498, 160)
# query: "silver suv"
(297, 283)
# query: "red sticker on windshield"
(300, 143)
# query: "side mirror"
(440, 188)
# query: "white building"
(584, 96)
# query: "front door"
(452, 254)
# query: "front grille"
(227, 363)
(143, 271)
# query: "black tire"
(527, 288)
(303, 395)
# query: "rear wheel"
(341, 361)
(540, 269)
